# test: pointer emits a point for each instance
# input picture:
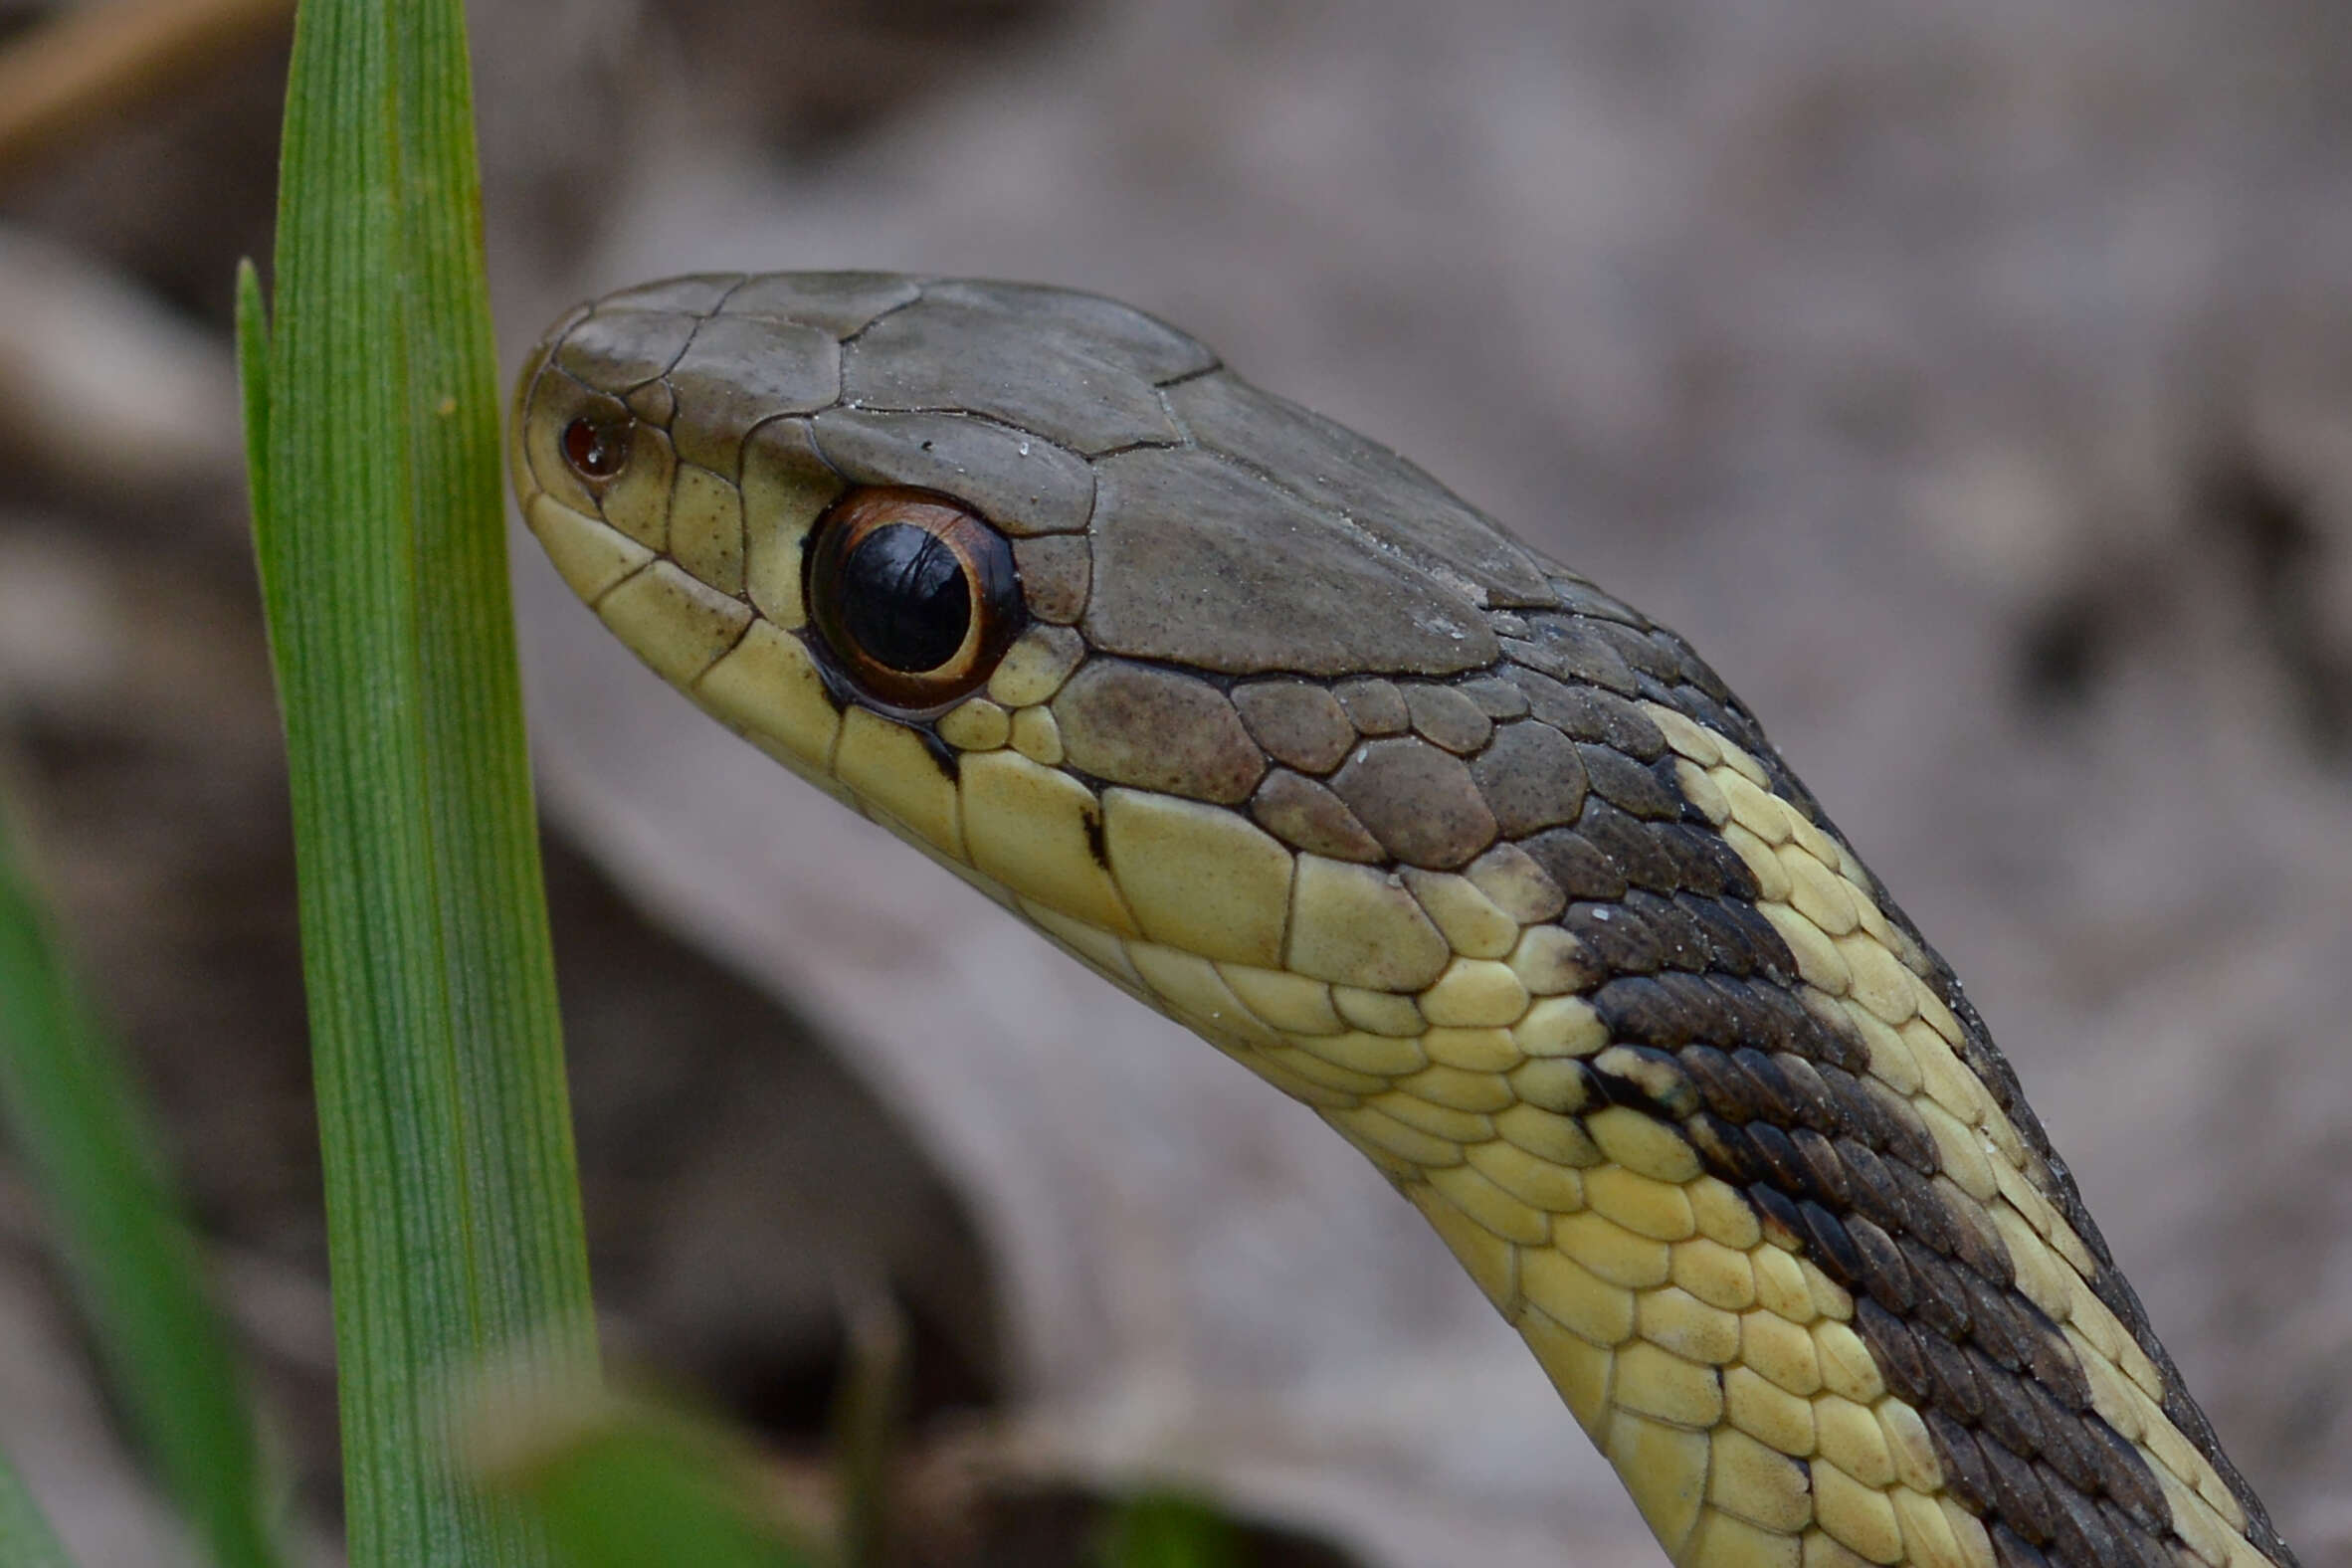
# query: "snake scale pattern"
(1279, 736)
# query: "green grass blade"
(1164, 1530)
(76, 1118)
(633, 1487)
(452, 1206)
(25, 1540)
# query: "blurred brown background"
(1971, 380)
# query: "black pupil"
(904, 598)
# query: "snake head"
(952, 518)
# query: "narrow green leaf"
(1165, 1529)
(634, 1488)
(453, 1203)
(253, 381)
(74, 1114)
(25, 1540)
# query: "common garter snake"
(1276, 733)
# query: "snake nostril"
(596, 449)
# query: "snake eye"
(596, 449)
(917, 597)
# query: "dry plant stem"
(93, 60)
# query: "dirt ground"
(1971, 382)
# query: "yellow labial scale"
(1199, 876)
(1494, 1209)
(1471, 922)
(1098, 947)
(1359, 926)
(1724, 1214)
(1674, 1319)
(1191, 985)
(1847, 1368)
(1037, 735)
(1724, 1540)
(1927, 1539)
(1762, 861)
(1818, 892)
(1609, 1250)
(1291, 1003)
(1378, 1012)
(891, 769)
(1772, 1415)
(1962, 1154)
(673, 622)
(1035, 829)
(1976, 1546)
(1560, 1139)
(1755, 809)
(587, 554)
(1643, 1205)
(1473, 1050)
(1492, 1261)
(1418, 1149)
(1701, 791)
(1891, 1061)
(1818, 960)
(1316, 1069)
(1759, 1483)
(1823, 1550)
(814, 773)
(707, 528)
(1859, 1518)
(1849, 1436)
(1641, 1144)
(768, 684)
(1780, 1352)
(1716, 1273)
(1299, 1087)
(1780, 1285)
(976, 726)
(1657, 1383)
(1035, 667)
(1561, 1026)
(1576, 1298)
(1664, 1466)
(1549, 961)
(1514, 882)
(1580, 1370)
(1439, 1122)
(1474, 993)
(1457, 1089)
(1383, 1055)
(1908, 1448)
(1556, 1188)
(1684, 734)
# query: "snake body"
(1279, 736)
